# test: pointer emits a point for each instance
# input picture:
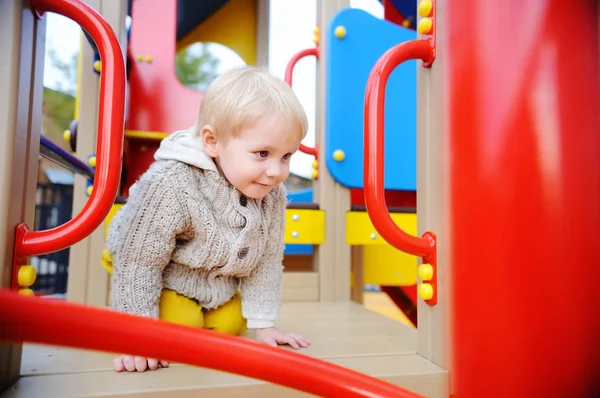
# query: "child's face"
(258, 158)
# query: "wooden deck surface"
(343, 333)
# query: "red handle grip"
(111, 120)
(289, 71)
(374, 147)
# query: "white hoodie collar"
(185, 147)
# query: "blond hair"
(238, 98)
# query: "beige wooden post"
(332, 258)
(88, 282)
(21, 88)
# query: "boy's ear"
(209, 141)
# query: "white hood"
(185, 147)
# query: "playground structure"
(483, 134)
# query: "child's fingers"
(164, 364)
(152, 363)
(302, 341)
(141, 363)
(118, 364)
(129, 363)
(291, 340)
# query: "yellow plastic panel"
(384, 265)
(303, 226)
(233, 25)
(360, 230)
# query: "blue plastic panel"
(303, 196)
(349, 63)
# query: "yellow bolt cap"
(425, 291)
(424, 26)
(339, 155)
(67, 135)
(425, 272)
(89, 190)
(315, 174)
(26, 276)
(424, 8)
(26, 292)
(315, 164)
(340, 32)
(98, 66)
(92, 161)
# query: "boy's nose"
(274, 171)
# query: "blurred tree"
(196, 67)
(65, 72)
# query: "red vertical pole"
(524, 136)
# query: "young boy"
(200, 240)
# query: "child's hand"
(132, 363)
(273, 337)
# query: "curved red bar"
(289, 71)
(111, 120)
(374, 147)
(68, 324)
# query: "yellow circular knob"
(425, 272)
(89, 190)
(424, 8)
(98, 66)
(149, 58)
(425, 291)
(315, 174)
(406, 23)
(315, 164)
(92, 161)
(316, 30)
(67, 135)
(339, 155)
(339, 32)
(26, 275)
(26, 292)
(425, 25)
(316, 39)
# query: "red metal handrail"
(289, 71)
(374, 147)
(79, 326)
(111, 120)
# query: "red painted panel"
(407, 199)
(524, 138)
(158, 102)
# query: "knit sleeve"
(142, 241)
(261, 291)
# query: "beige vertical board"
(21, 90)
(86, 143)
(88, 282)
(433, 204)
(114, 12)
(333, 256)
(262, 32)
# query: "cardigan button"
(243, 253)
(243, 200)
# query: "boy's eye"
(263, 154)
(287, 156)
